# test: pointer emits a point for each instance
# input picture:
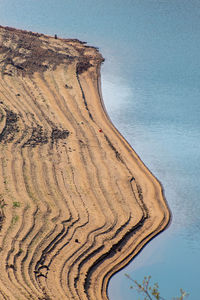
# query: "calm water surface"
(154, 100)
(166, 135)
(150, 84)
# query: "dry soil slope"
(76, 202)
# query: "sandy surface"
(77, 203)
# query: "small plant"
(2, 205)
(20, 251)
(151, 292)
(15, 219)
(16, 204)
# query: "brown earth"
(76, 202)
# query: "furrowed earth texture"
(76, 202)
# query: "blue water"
(170, 145)
(150, 83)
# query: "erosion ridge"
(76, 202)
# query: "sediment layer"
(76, 202)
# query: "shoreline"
(80, 203)
(166, 223)
(168, 218)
